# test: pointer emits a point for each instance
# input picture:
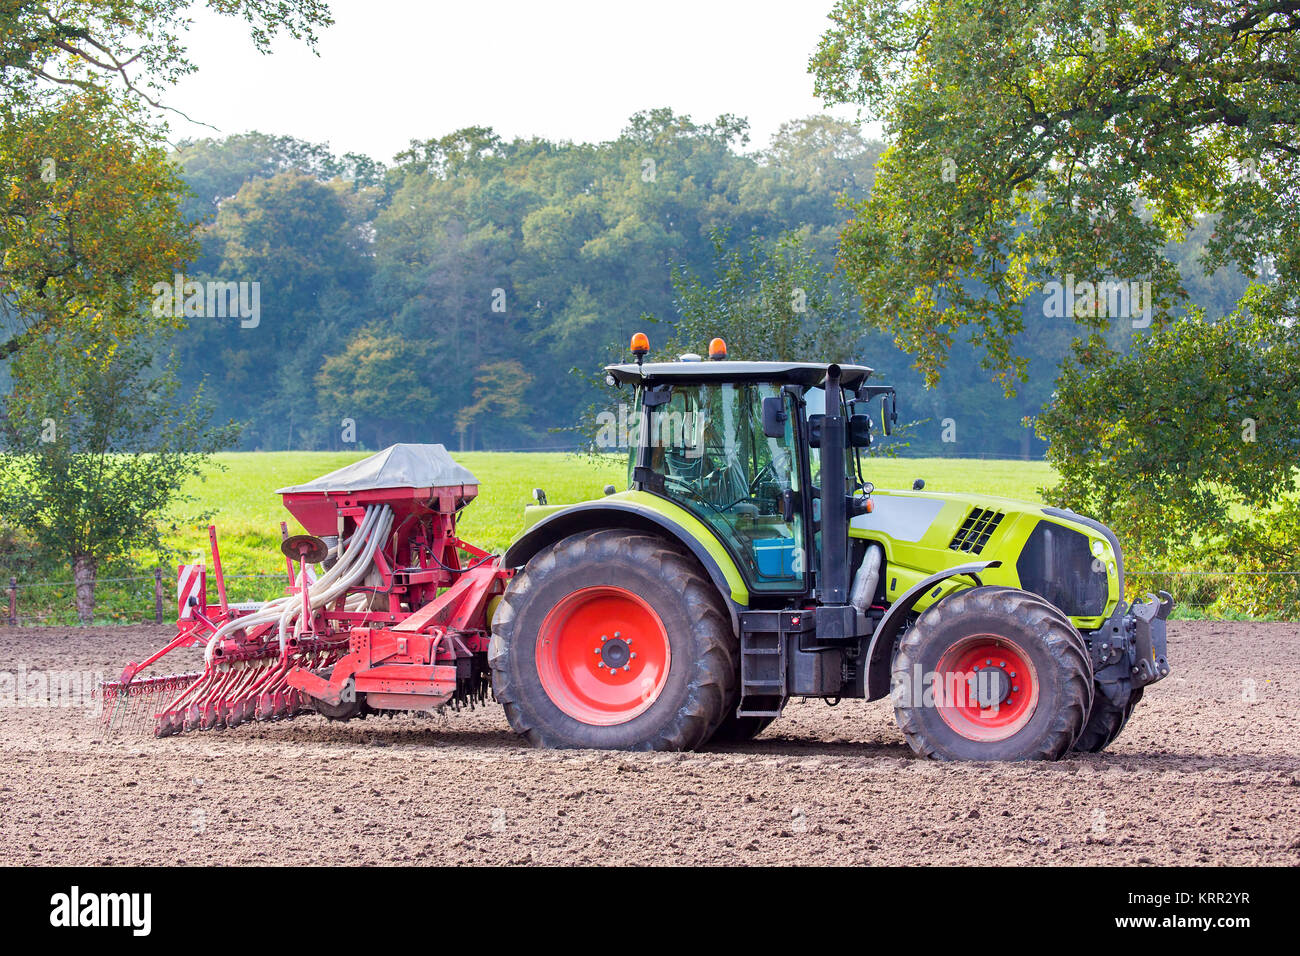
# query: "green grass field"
(240, 490)
(248, 511)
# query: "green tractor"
(750, 561)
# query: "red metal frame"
(412, 653)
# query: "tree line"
(467, 292)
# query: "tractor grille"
(975, 531)
(1058, 565)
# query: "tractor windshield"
(708, 446)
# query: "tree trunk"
(83, 576)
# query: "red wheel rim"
(603, 655)
(986, 687)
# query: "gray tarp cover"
(397, 466)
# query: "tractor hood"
(1070, 560)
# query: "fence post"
(13, 602)
(157, 595)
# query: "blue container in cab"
(775, 557)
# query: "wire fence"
(160, 596)
(1254, 593)
(1200, 592)
(20, 585)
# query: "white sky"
(394, 70)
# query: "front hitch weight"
(1149, 618)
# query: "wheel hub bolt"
(990, 689)
(615, 654)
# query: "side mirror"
(815, 425)
(774, 417)
(859, 431)
(889, 414)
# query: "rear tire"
(736, 730)
(1035, 701)
(596, 599)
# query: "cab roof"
(807, 374)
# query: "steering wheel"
(692, 491)
(767, 471)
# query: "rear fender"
(880, 652)
(597, 515)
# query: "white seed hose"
(358, 556)
(327, 591)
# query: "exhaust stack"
(833, 586)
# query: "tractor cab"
(738, 445)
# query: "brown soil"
(1203, 774)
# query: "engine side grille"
(1057, 564)
(975, 531)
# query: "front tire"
(1106, 722)
(991, 674)
(613, 639)
(1106, 719)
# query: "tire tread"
(1063, 643)
(715, 674)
